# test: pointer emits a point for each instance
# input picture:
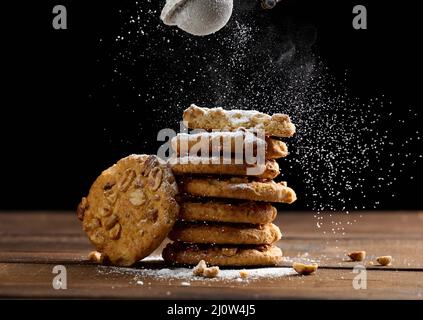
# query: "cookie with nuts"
(237, 141)
(269, 169)
(278, 125)
(130, 208)
(222, 255)
(238, 188)
(225, 233)
(227, 211)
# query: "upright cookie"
(224, 256)
(238, 188)
(213, 143)
(219, 233)
(203, 165)
(221, 211)
(130, 208)
(278, 125)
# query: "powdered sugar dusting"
(185, 274)
(243, 117)
(153, 258)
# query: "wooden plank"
(45, 243)
(59, 237)
(293, 224)
(88, 281)
(406, 253)
(32, 243)
(372, 225)
(44, 257)
(39, 223)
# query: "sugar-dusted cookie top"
(278, 125)
(214, 142)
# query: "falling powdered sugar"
(350, 153)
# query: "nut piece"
(243, 274)
(95, 256)
(80, 211)
(114, 233)
(384, 260)
(357, 255)
(137, 198)
(111, 196)
(97, 237)
(128, 176)
(199, 268)
(155, 178)
(211, 272)
(92, 224)
(110, 222)
(148, 165)
(305, 269)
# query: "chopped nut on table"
(211, 272)
(95, 256)
(305, 269)
(202, 270)
(199, 268)
(357, 255)
(243, 274)
(384, 260)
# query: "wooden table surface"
(32, 243)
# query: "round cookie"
(278, 125)
(216, 165)
(214, 142)
(224, 256)
(225, 233)
(238, 188)
(220, 211)
(130, 209)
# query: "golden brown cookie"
(220, 211)
(204, 165)
(278, 125)
(130, 208)
(234, 256)
(208, 143)
(238, 188)
(220, 233)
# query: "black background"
(55, 107)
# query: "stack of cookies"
(226, 212)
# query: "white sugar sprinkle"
(349, 152)
(186, 273)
